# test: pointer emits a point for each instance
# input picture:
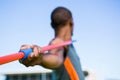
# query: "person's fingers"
(34, 62)
(33, 57)
(25, 47)
(35, 51)
(40, 50)
(26, 62)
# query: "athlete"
(64, 61)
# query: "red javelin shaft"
(20, 55)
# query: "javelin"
(23, 54)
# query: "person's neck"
(64, 33)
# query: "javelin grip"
(23, 54)
(26, 53)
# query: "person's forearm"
(51, 61)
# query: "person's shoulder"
(56, 41)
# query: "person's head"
(60, 17)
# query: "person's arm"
(52, 60)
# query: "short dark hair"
(59, 17)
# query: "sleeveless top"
(71, 67)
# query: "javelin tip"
(74, 40)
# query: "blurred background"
(96, 29)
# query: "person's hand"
(34, 58)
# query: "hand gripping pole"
(23, 54)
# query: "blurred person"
(64, 61)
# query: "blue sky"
(96, 29)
